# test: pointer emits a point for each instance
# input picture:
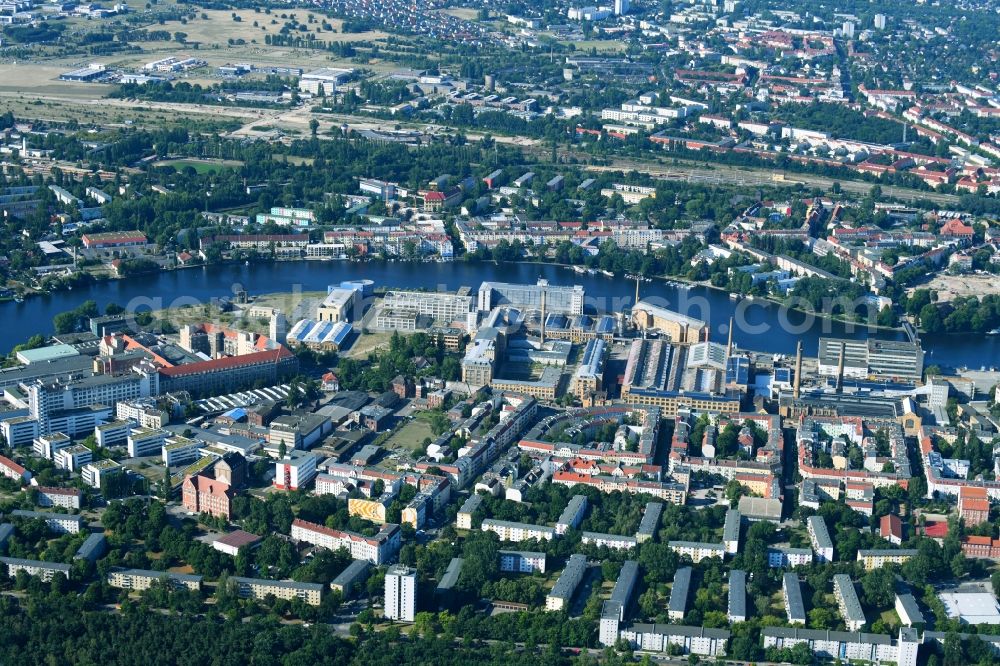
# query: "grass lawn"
(889, 618)
(411, 436)
(367, 343)
(201, 166)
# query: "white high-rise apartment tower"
(400, 593)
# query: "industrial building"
(678, 327)
(529, 297)
(657, 373)
(871, 357)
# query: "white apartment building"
(510, 531)
(572, 514)
(522, 561)
(257, 588)
(63, 523)
(114, 433)
(612, 541)
(179, 450)
(143, 579)
(819, 536)
(143, 412)
(400, 593)
(295, 470)
(44, 570)
(46, 446)
(64, 498)
(789, 557)
(697, 550)
(144, 442)
(379, 549)
(72, 458)
(96, 474)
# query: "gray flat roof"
(679, 590)
(570, 577)
(820, 531)
(523, 553)
(737, 593)
(844, 588)
(825, 635)
(471, 504)
(6, 529)
(909, 604)
(54, 566)
(573, 507)
(611, 609)
(20, 513)
(625, 584)
(681, 630)
(523, 526)
(44, 369)
(351, 573)
(88, 549)
(650, 518)
(887, 552)
(760, 507)
(796, 609)
(696, 544)
(731, 530)
(451, 574)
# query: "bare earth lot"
(950, 287)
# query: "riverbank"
(706, 284)
(760, 328)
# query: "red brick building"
(891, 528)
(973, 505)
(981, 546)
(203, 494)
(403, 387)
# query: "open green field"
(220, 26)
(201, 166)
(411, 436)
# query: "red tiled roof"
(936, 529)
(227, 363)
(891, 526)
(208, 486)
(10, 464)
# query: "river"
(761, 326)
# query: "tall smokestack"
(637, 288)
(543, 317)
(729, 344)
(840, 369)
(798, 370)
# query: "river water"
(760, 325)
